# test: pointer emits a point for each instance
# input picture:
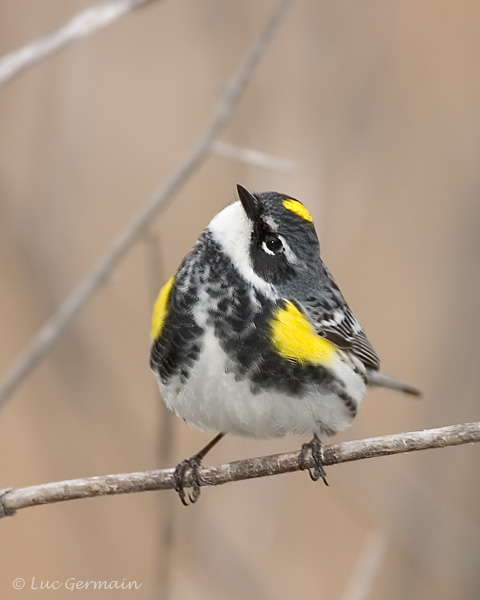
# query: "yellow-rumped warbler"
(252, 335)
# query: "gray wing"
(334, 320)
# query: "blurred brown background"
(377, 104)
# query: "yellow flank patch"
(160, 309)
(298, 208)
(294, 338)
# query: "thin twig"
(253, 157)
(166, 513)
(81, 25)
(102, 270)
(12, 500)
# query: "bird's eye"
(272, 244)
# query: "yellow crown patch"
(294, 337)
(160, 309)
(298, 208)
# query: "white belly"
(213, 400)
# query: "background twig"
(253, 157)
(82, 24)
(250, 468)
(102, 270)
(162, 574)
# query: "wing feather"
(339, 326)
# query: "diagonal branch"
(12, 500)
(102, 270)
(82, 24)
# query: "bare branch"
(102, 270)
(82, 24)
(253, 157)
(162, 573)
(12, 500)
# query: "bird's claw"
(315, 448)
(189, 464)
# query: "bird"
(252, 336)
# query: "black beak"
(249, 202)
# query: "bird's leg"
(315, 448)
(192, 464)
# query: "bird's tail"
(379, 379)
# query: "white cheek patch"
(232, 230)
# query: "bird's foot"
(189, 464)
(315, 448)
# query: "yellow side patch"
(160, 309)
(295, 339)
(298, 208)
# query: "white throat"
(232, 230)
